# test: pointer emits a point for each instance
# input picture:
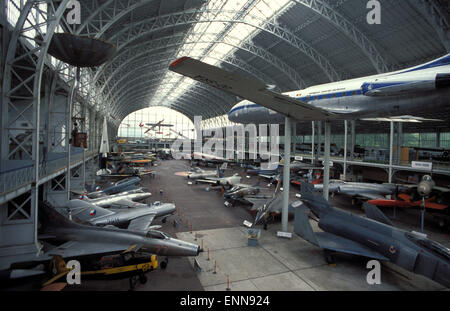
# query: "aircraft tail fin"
(302, 226)
(375, 213)
(50, 217)
(316, 202)
(85, 211)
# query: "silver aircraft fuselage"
(358, 188)
(154, 242)
(418, 89)
(87, 212)
(133, 195)
(122, 217)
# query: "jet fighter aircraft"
(127, 199)
(239, 192)
(361, 190)
(221, 181)
(138, 218)
(125, 184)
(266, 207)
(83, 240)
(372, 237)
(199, 173)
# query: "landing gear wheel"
(164, 220)
(133, 281)
(142, 279)
(164, 263)
(265, 226)
(329, 258)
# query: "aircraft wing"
(442, 189)
(251, 89)
(142, 173)
(141, 224)
(257, 202)
(404, 119)
(374, 213)
(126, 202)
(370, 196)
(83, 248)
(267, 176)
(328, 241)
(208, 180)
(342, 245)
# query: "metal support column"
(399, 142)
(313, 141)
(294, 138)
(84, 167)
(353, 143)
(286, 174)
(319, 139)
(438, 138)
(69, 132)
(391, 151)
(345, 148)
(326, 173)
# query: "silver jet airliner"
(423, 87)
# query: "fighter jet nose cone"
(424, 188)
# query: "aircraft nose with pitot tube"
(85, 239)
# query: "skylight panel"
(241, 31)
(222, 48)
(205, 32)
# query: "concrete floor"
(276, 264)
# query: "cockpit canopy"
(157, 235)
(429, 245)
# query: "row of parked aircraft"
(373, 236)
(98, 223)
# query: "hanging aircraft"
(373, 237)
(179, 134)
(385, 95)
(152, 126)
